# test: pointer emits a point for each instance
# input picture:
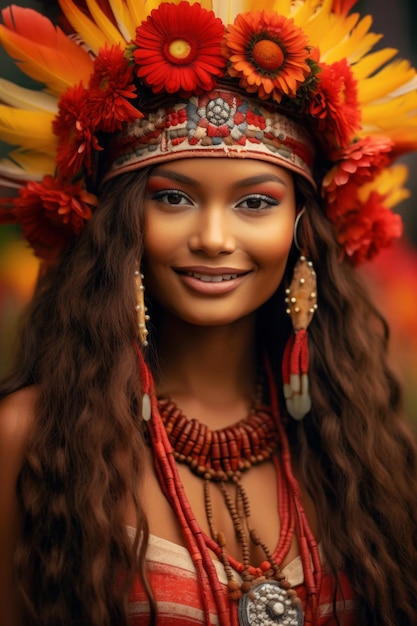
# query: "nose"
(213, 232)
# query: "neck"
(210, 371)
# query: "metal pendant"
(266, 604)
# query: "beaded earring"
(301, 304)
(141, 309)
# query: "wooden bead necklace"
(264, 596)
(220, 454)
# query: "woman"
(190, 456)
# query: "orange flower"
(268, 52)
(178, 48)
(50, 213)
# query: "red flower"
(74, 128)
(268, 52)
(358, 163)
(50, 213)
(178, 48)
(362, 233)
(111, 88)
(335, 104)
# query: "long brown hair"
(75, 562)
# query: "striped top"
(178, 594)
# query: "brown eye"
(174, 197)
(253, 203)
(257, 202)
(171, 197)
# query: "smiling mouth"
(209, 278)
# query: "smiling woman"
(215, 252)
(201, 426)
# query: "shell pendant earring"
(141, 309)
(301, 304)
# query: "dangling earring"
(141, 309)
(301, 304)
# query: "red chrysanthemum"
(50, 213)
(358, 163)
(335, 104)
(268, 52)
(178, 48)
(70, 105)
(365, 231)
(110, 89)
(76, 133)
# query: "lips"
(211, 280)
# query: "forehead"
(213, 171)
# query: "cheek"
(274, 245)
(160, 239)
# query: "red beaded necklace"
(220, 454)
(167, 419)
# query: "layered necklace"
(259, 595)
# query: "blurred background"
(392, 278)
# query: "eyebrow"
(245, 182)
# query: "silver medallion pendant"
(266, 604)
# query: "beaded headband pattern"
(128, 83)
(217, 123)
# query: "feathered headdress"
(108, 60)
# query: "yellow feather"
(406, 88)
(357, 44)
(379, 117)
(310, 12)
(123, 19)
(28, 99)
(389, 79)
(29, 165)
(29, 129)
(317, 26)
(388, 183)
(372, 62)
(283, 7)
(312, 17)
(83, 25)
(147, 6)
(111, 34)
(137, 10)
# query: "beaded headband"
(218, 123)
(131, 82)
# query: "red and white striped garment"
(178, 596)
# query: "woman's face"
(217, 236)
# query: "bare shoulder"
(17, 414)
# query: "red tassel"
(295, 375)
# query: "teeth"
(206, 278)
